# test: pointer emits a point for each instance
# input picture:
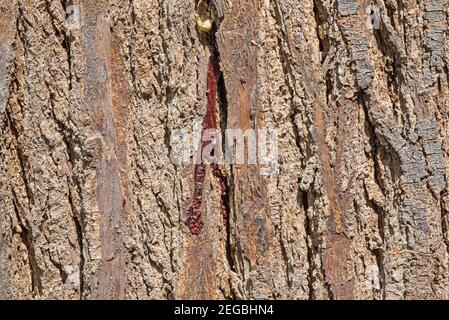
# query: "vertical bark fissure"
(26, 234)
(27, 239)
(309, 244)
(67, 45)
(79, 235)
(444, 218)
(320, 17)
(290, 81)
(222, 178)
(373, 140)
(12, 126)
(70, 141)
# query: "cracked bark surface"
(92, 207)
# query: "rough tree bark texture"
(92, 207)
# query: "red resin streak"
(194, 216)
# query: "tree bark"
(92, 205)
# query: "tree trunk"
(93, 204)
